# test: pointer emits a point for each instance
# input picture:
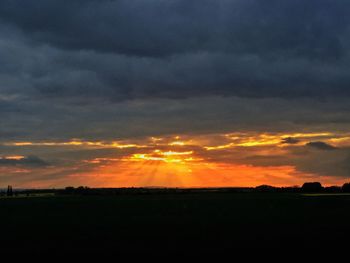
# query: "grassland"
(171, 223)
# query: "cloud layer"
(104, 70)
(175, 49)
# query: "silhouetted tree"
(313, 187)
(9, 191)
(346, 188)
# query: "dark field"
(172, 223)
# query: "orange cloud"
(13, 157)
(79, 143)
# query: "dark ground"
(174, 223)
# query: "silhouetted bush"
(333, 189)
(266, 188)
(69, 190)
(314, 187)
(291, 189)
(82, 190)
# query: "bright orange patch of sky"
(175, 162)
(164, 174)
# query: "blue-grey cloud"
(28, 161)
(160, 28)
(130, 49)
(321, 146)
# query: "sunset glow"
(213, 160)
(181, 95)
(169, 126)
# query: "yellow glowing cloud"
(158, 155)
(81, 143)
(246, 140)
(219, 147)
(342, 141)
(177, 143)
(169, 153)
(261, 140)
(309, 135)
(19, 144)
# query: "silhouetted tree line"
(309, 187)
(83, 190)
(9, 191)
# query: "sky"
(174, 93)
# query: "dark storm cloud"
(321, 146)
(160, 28)
(129, 49)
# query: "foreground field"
(171, 223)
